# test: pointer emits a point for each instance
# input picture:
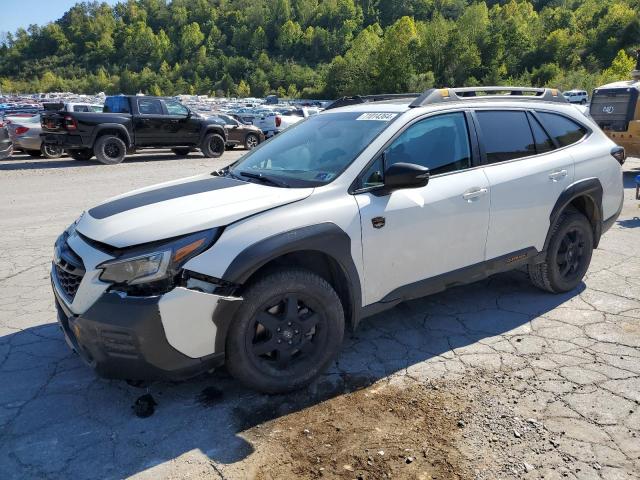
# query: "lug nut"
(295, 331)
(278, 329)
(290, 342)
(289, 323)
(279, 341)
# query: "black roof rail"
(356, 99)
(439, 95)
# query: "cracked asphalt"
(551, 384)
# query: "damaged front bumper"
(173, 336)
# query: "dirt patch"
(382, 431)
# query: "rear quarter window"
(561, 128)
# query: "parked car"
(263, 264)
(286, 118)
(133, 122)
(6, 145)
(25, 134)
(73, 107)
(576, 96)
(240, 133)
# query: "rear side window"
(150, 107)
(506, 135)
(543, 142)
(564, 131)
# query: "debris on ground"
(144, 406)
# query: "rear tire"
(287, 331)
(568, 255)
(50, 150)
(213, 146)
(34, 153)
(251, 141)
(181, 152)
(110, 150)
(81, 155)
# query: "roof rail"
(439, 95)
(356, 99)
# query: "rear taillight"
(619, 154)
(70, 123)
(278, 120)
(21, 130)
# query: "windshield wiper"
(265, 179)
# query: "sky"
(22, 13)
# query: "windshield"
(315, 151)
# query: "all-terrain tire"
(213, 145)
(81, 154)
(287, 331)
(570, 247)
(110, 149)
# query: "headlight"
(162, 262)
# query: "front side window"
(564, 131)
(506, 135)
(149, 106)
(176, 108)
(315, 151)
(439, 143)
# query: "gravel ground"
(491, 380)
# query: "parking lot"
(491, 380)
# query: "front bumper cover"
(123, 337)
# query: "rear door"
(151, 124)
(526, 172)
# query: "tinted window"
(565, 131)
(176, 108)
(506, 135)
(543, 142)
(150, 106)
(439, 143)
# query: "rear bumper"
(123, 338)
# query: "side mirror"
(405, 175)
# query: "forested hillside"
(322, 48)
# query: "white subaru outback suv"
(263, 265)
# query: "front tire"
(213, 146)
(286, 333)
(51, 151)
(568, 255)
(110, 150)
(251, 141)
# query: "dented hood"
(180, 207)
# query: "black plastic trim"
(325, 238)
(590, 188)
(99, 129)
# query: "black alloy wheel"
(571, 254)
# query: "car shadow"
(25, 162)
(81, 425)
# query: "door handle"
(473, 193)
(557, 175)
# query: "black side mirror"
(405, 175)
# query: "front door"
(183, 128)
(411, 235)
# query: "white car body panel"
(185, 214)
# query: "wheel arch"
(213, 129)
(585, 196)
(324, 249)
(115, 129)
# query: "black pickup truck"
(129, 123)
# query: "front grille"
(68, 282)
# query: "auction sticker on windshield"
(381, 116)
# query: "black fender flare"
(111, 126)
(590, 188)
(326, 238)
(207, 129)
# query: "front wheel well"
(319, 263)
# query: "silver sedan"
(25, 134)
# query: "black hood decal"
(161, 195)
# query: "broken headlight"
(159, 262)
